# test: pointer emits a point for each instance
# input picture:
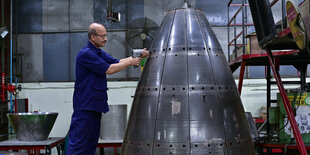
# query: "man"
(90, 90)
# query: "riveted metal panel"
(175, 132)
(205, 115)
(221, 69)
(160, 42)
(200, 68)
(177, 38)
(55, 15)
(161, 151)
(207, 151)
(151, 77)
(173, 104)
(215, 146)
(137, 149)
(206, 131)
(139, 131)
(235, 123)
(197, 96)
(204, 105)
(244, 146)
(194, 34)
(145, 105)
(176, 64)
(55, 57)
(210, 37)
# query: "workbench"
(34, 146)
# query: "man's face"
(100, 38)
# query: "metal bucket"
(32, 126)
(113, 123)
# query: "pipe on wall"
(11, 52)
(2, 40)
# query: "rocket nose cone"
(186, 101)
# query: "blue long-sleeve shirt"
(90, 89)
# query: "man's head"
(97, 34)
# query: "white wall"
(254, 94)
(57, 97)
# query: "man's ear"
(92, 37)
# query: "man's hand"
(135, 61)
(145, 53)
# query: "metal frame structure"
(273, 60)
(282, 146)
(233, 22)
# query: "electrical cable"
(270, 135)
(285, 149)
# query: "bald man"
(90, 90)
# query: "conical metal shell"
(186, 101)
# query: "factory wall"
(58, 29)
(51, 32)
(57, 97)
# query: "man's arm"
(124, 59)
(123, 63)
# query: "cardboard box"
(253, 46)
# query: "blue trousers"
(84, 132)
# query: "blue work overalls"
(89, 99)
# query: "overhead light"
(3, 32)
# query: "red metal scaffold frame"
(288, 109)
(245, 59)
(273, 65)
